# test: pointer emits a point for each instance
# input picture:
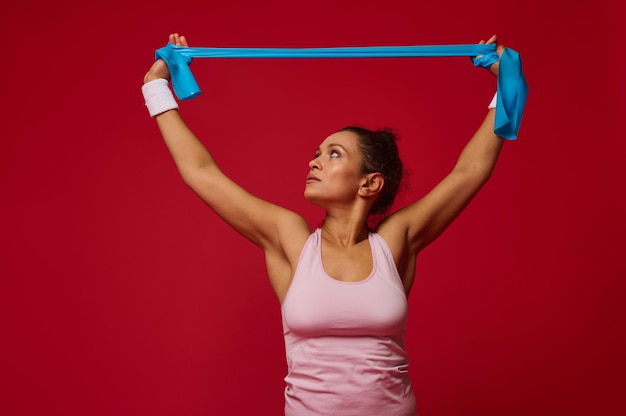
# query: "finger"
(500, 49)
(493, 39)
(183, 41)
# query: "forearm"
(481, 153)
(189, 154)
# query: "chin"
(312, 198)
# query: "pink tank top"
(345, 340)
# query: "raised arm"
(411, 229)
(276, 230)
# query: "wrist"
(158, 97)
(151, 77)
(493, 102)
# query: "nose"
(314, 164)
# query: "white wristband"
(494, 100)
(158, 97)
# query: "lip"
(310, 178)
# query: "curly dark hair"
(380, 154)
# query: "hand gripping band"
(512, 87)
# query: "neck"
(344, 231)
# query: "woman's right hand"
(159, 69)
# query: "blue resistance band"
(512, 87)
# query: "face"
(335, 173)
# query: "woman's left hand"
(500, 49)
(159, 69)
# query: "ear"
(372, 185)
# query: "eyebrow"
(334, 145)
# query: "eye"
(334, 153)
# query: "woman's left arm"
(423, 221)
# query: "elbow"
(190, 177)
(483, 174)
(479, 173)
(196, 177)
(187, 173)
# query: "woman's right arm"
(276, 230)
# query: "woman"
(343, 287)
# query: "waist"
(332, 371)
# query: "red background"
(123, 295)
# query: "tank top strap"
(383, 257)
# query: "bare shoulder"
(395, 231)
(292, 233)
